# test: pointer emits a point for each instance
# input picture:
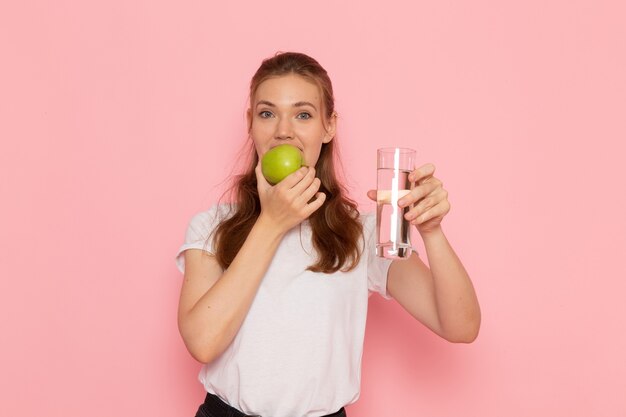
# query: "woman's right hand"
(214, 302)
(288, 203)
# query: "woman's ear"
(249, 119)
(331, 129)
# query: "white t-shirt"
(298, 351)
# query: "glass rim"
(393, 149)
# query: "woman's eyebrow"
(304, 103)
(266, 103)
(297, 104)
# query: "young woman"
(275, 290)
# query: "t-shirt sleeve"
(377, 267)
(198, 235)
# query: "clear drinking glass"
(392, 230)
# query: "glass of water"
(392, 229)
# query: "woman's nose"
(284, 129)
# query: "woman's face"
(288, 109)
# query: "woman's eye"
(304, 116)
(265, 114)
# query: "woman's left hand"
(428, 199)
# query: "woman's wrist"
(268, 228)
(434, 234)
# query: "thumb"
(372, 195)
(262, 183)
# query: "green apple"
(280, 161)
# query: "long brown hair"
(336, 229)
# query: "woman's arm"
(213, 303)
(442, 297)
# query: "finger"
(440, 210)
(372, 194)
(315, 204)
(426, 204)
(422, 173)
(260, 178)
(310, 191)
(431, 200)
(304, 183)
(294, 178)
(418, 192)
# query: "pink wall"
(118, 119)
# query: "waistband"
(214, 407)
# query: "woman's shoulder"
(221, 210)
(368, 221)
(208, 219)
(367, 218)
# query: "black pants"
(214, 407)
